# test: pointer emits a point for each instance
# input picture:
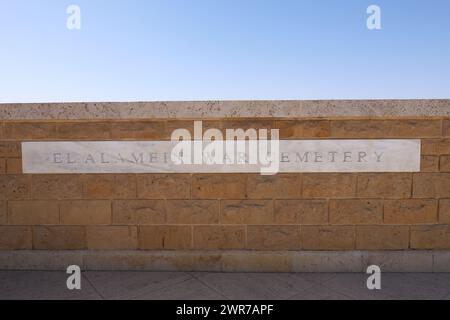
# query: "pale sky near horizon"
(138, 50)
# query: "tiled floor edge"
(229, 261)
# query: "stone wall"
(214, 213)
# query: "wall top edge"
(226, 109)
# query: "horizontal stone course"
(386, 128)
(59, 238)
(382, 237)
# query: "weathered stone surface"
(2, 166)
(329, 185)
(219, 237)
(3, 213)
(384, 185)
(56, 186)
(280, 186)
(14, 166)
(10, 149)
(59, 238)
(273, 238)
(246, 212)
(303, 212)
(82, 213)
(354, 211)
(382, 237)
(110, 186)
(411, 211)
(431, 185)
(31, 213)
(15, 238)
(385, 128)
(226, 109)
(165, 237)
(435, 237)
(444, 211)
(138, 212)
(112, 237)
(164, 186)
(429, 164)
(219, 186)
(328, 237)
(444, 164)
(14, 187)
(193, 211)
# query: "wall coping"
(225, 109)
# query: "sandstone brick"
(446, 128)
(444, 211)
(280, 186)
(33, 212)
(56, 186)
(59, 238)
(444, 146)
(164, 186)
(110, 186)
(219, 186)
(193, 211)
(30, 130)
(2, 166)
(382, 237)
(172, 125)
(3, 213)
(14, 166)
(384, 185)
(354, 211)
(431, 185)
(139, 212)
(81, 212)
(15, 238)
(435, 237)
(329, 185)
(86, 130)
(429, 164)
(14, 187)
(219, 237)
(430, 147)
(385, 128)
(435, 146)
(112, 237)
(273, 238)
(296, 129)
(246, 212)
(165, 237)
(328, 237)
(243, 124)
(410, 211)
(313, 212)
(145, 129)
(10, 149)
(221, 125)
(445, 164)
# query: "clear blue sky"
(133, 50)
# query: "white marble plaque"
(155, 157)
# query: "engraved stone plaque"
(71, 157)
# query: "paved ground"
(182, 285)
